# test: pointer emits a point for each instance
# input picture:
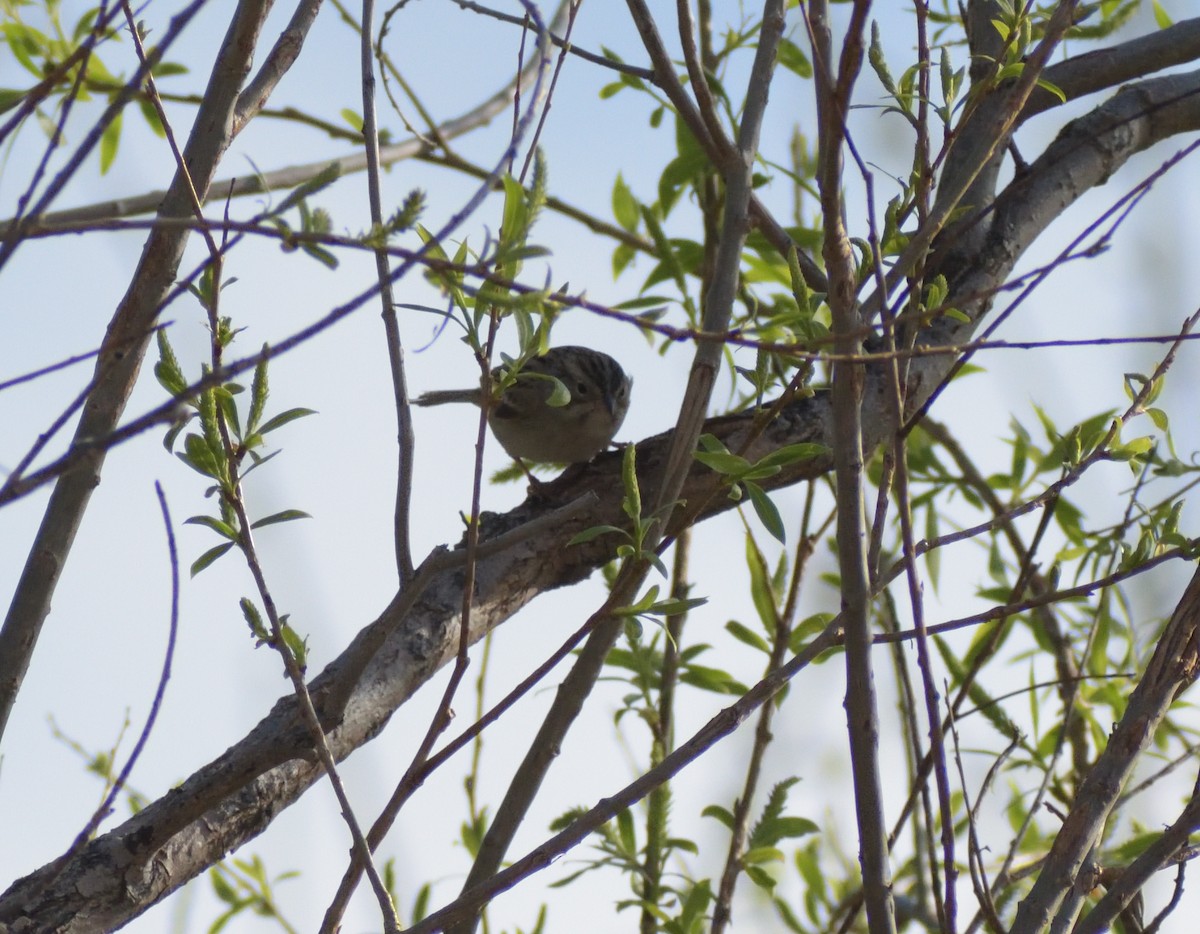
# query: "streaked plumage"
(530, 429)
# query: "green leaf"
(254, 619)
(258, 393)
(323, 179)
(767, 513)
(695, 906)
(1053, 89)
(173, 432)
(210, 428)
(762, 594)
(878, 63)
(625, 206)
(762, 854)
(711, 679)
(723, 463)
(110, 139)
(197, 455)
(631, 503)
(224, 399)
(514, 222)
(296, 645)
(167, 371)
(720, 813)
(676, 607)
(933, 557)
(795, 61)
(792, 453)
(26, 45)
(10, 96)
(224, 891)
(623, 255)
(641, 606)
(560, 395)
(594, 532)
(287, 515)
(283, 418)
(168, 70)
(224, 529)
(760, 877)
(744, 634)
(783, 828)
(1161, 18)
(421, 903)
(209, 557)
(625, 828)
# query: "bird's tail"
(443, 396)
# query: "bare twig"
(833, 90)
(276, 63)
(160, 691)
(1131, 878)
(401, 523)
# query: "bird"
(531, 426)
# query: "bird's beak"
(610, 397)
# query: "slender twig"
(1176, 895)
(441, 717)
(833, 89)
(978, 872)
(402, 519)
(60, 421)
(563, 42)
(1132, 877)
(781, 626)
(295, 673)
(276, 63)
(1188, 755)
(663, 741)
(160, 691)
(548, 97)
(51, 368)
(184, 174)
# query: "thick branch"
(1094, 71)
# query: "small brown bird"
(530, 428)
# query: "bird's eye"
(581, 389)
